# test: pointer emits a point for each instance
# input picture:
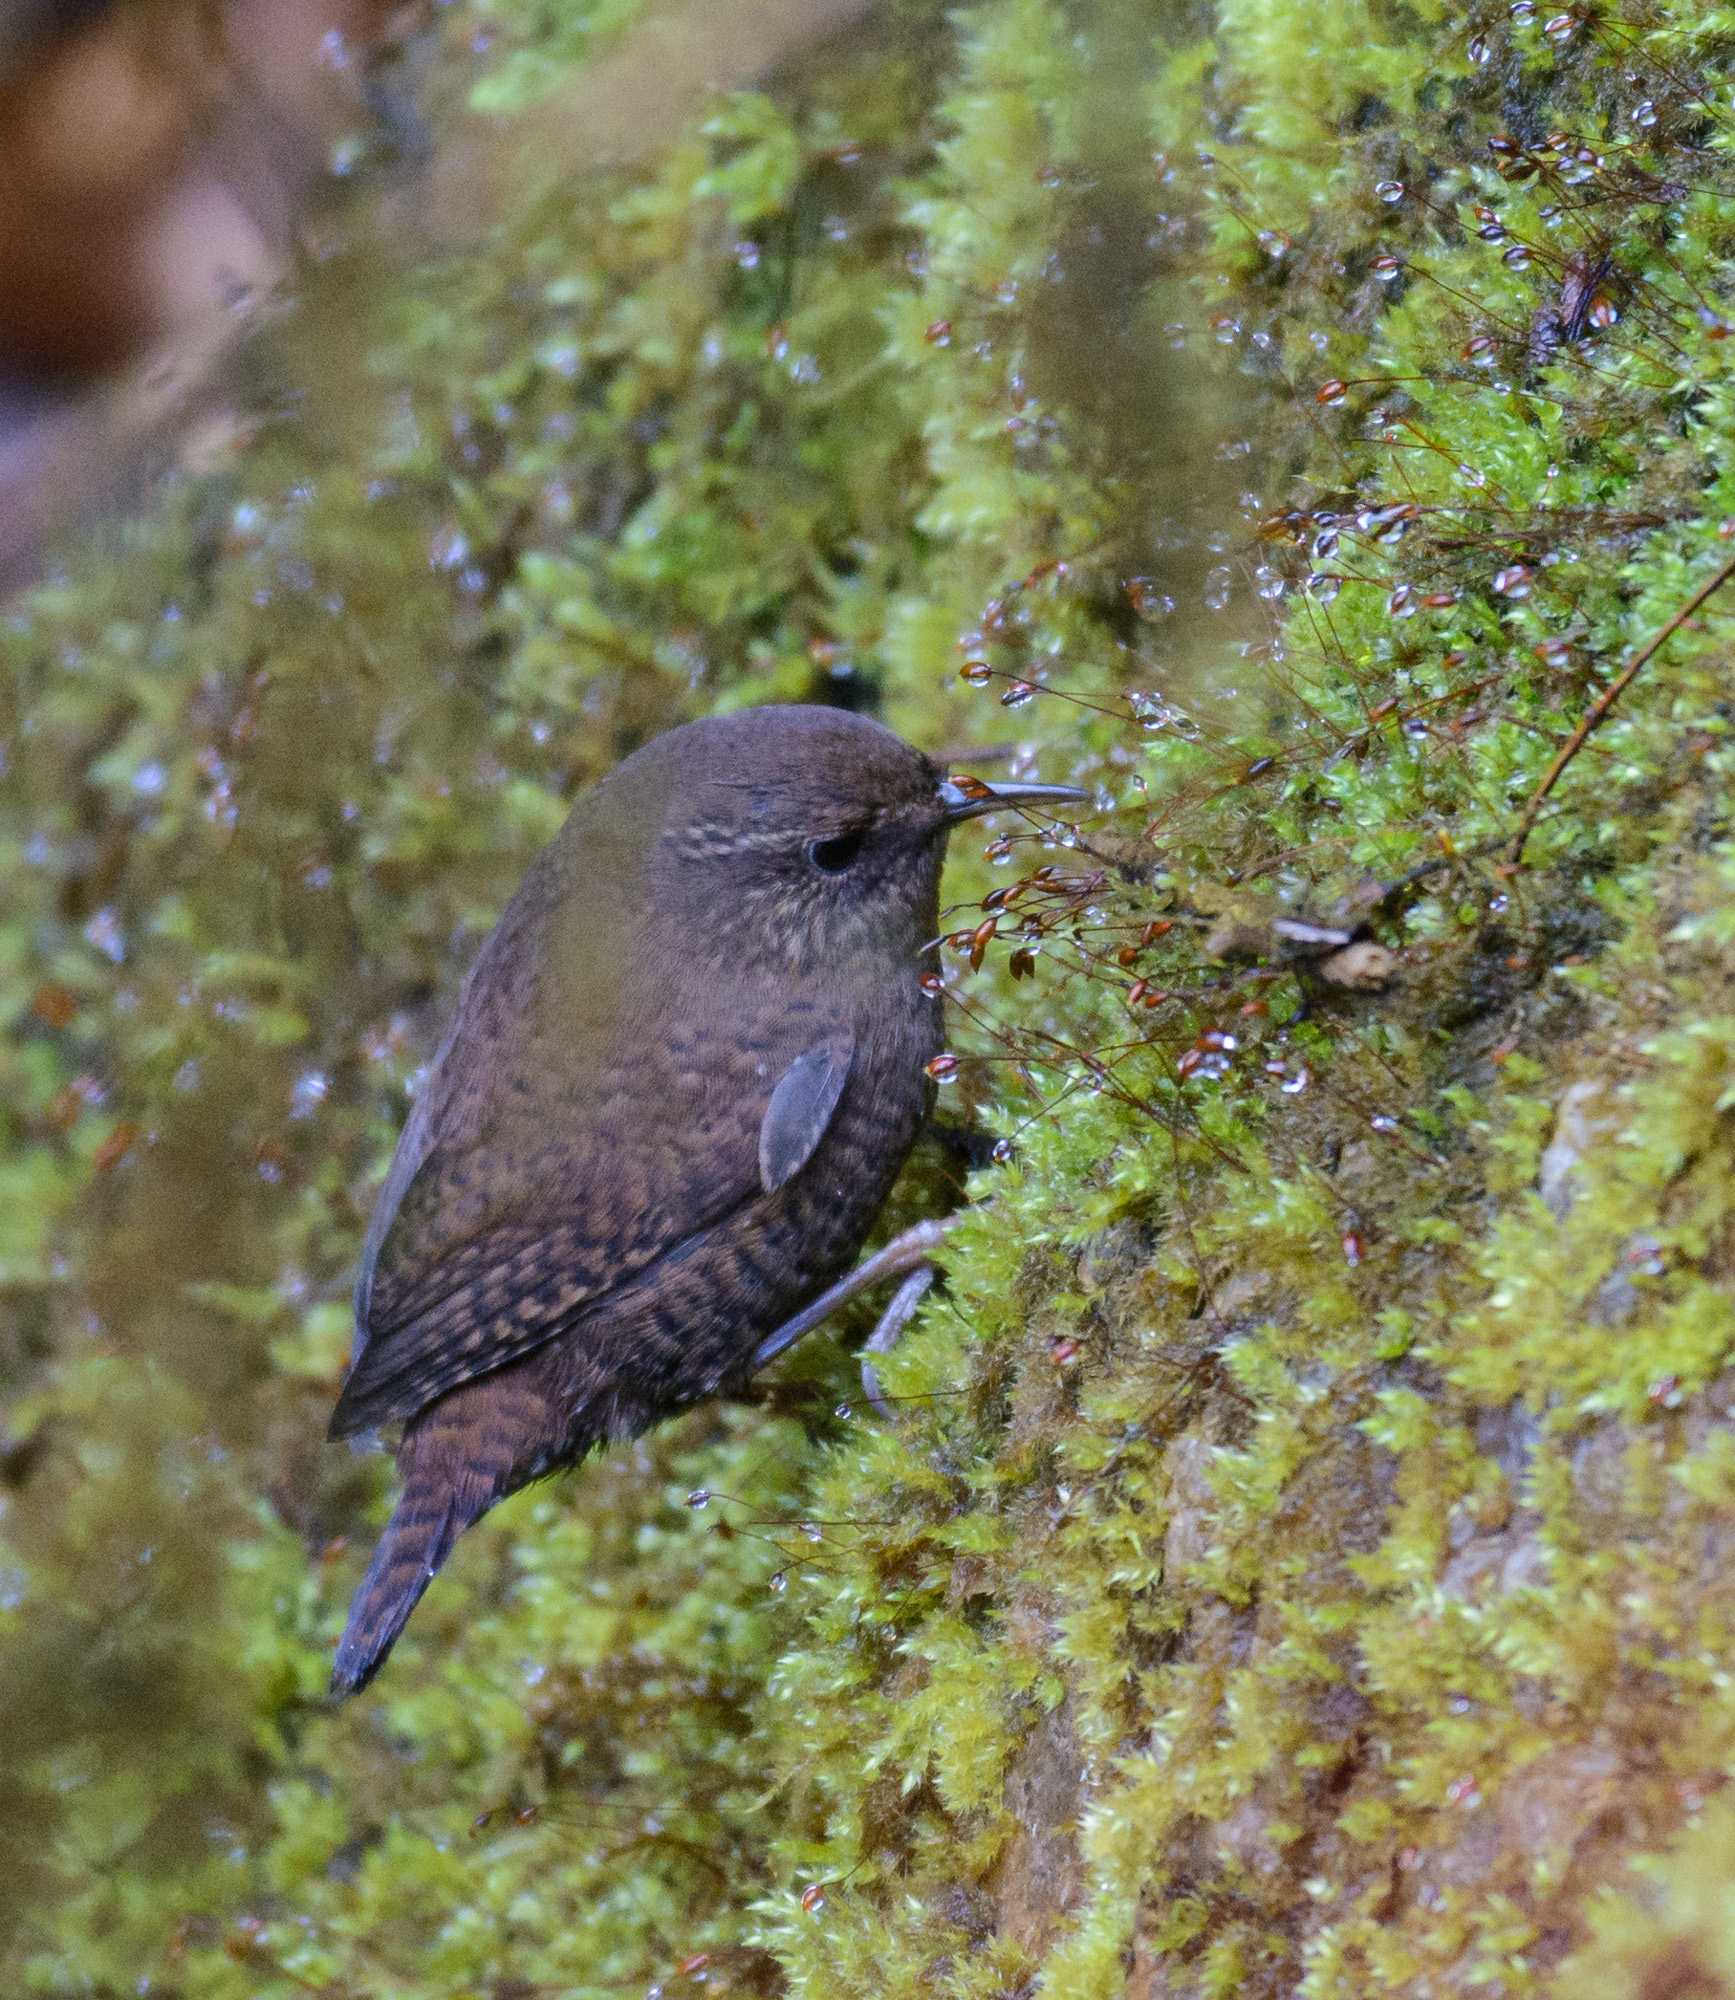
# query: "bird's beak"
(963, 797)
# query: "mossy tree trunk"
(1297, 1562)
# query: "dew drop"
(779, 1582)
(104, 933)
(977, 672)
(1387, 267)
(1516, 257)
(1002, 1151)
(813, 1898)
(1390, 191)
(1333, 391)
(942, 1068)
(1018, 694)
(699, 1497)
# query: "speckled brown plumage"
(683, 1074)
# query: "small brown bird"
(685, 1070)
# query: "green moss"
(1297, 1563)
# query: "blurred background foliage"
(1298, 1561)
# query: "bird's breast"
(689, 1324)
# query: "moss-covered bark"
(1298, 1561)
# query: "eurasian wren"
(684, 1072)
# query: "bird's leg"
(903, 1257)
(889, 1332)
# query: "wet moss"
(1296, 1564)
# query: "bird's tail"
(442, 1495)
(473, 1446)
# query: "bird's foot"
(890, 1330)
(905, 1257)
(969, 1145)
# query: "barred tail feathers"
(418, 1538)
(472, 1447)
(456, 1460)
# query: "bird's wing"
(482, 1259)
(800, 1110)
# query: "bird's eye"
(832, 857)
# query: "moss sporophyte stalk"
(1296, 1561)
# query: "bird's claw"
(908, 1296)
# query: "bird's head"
(799, 837)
